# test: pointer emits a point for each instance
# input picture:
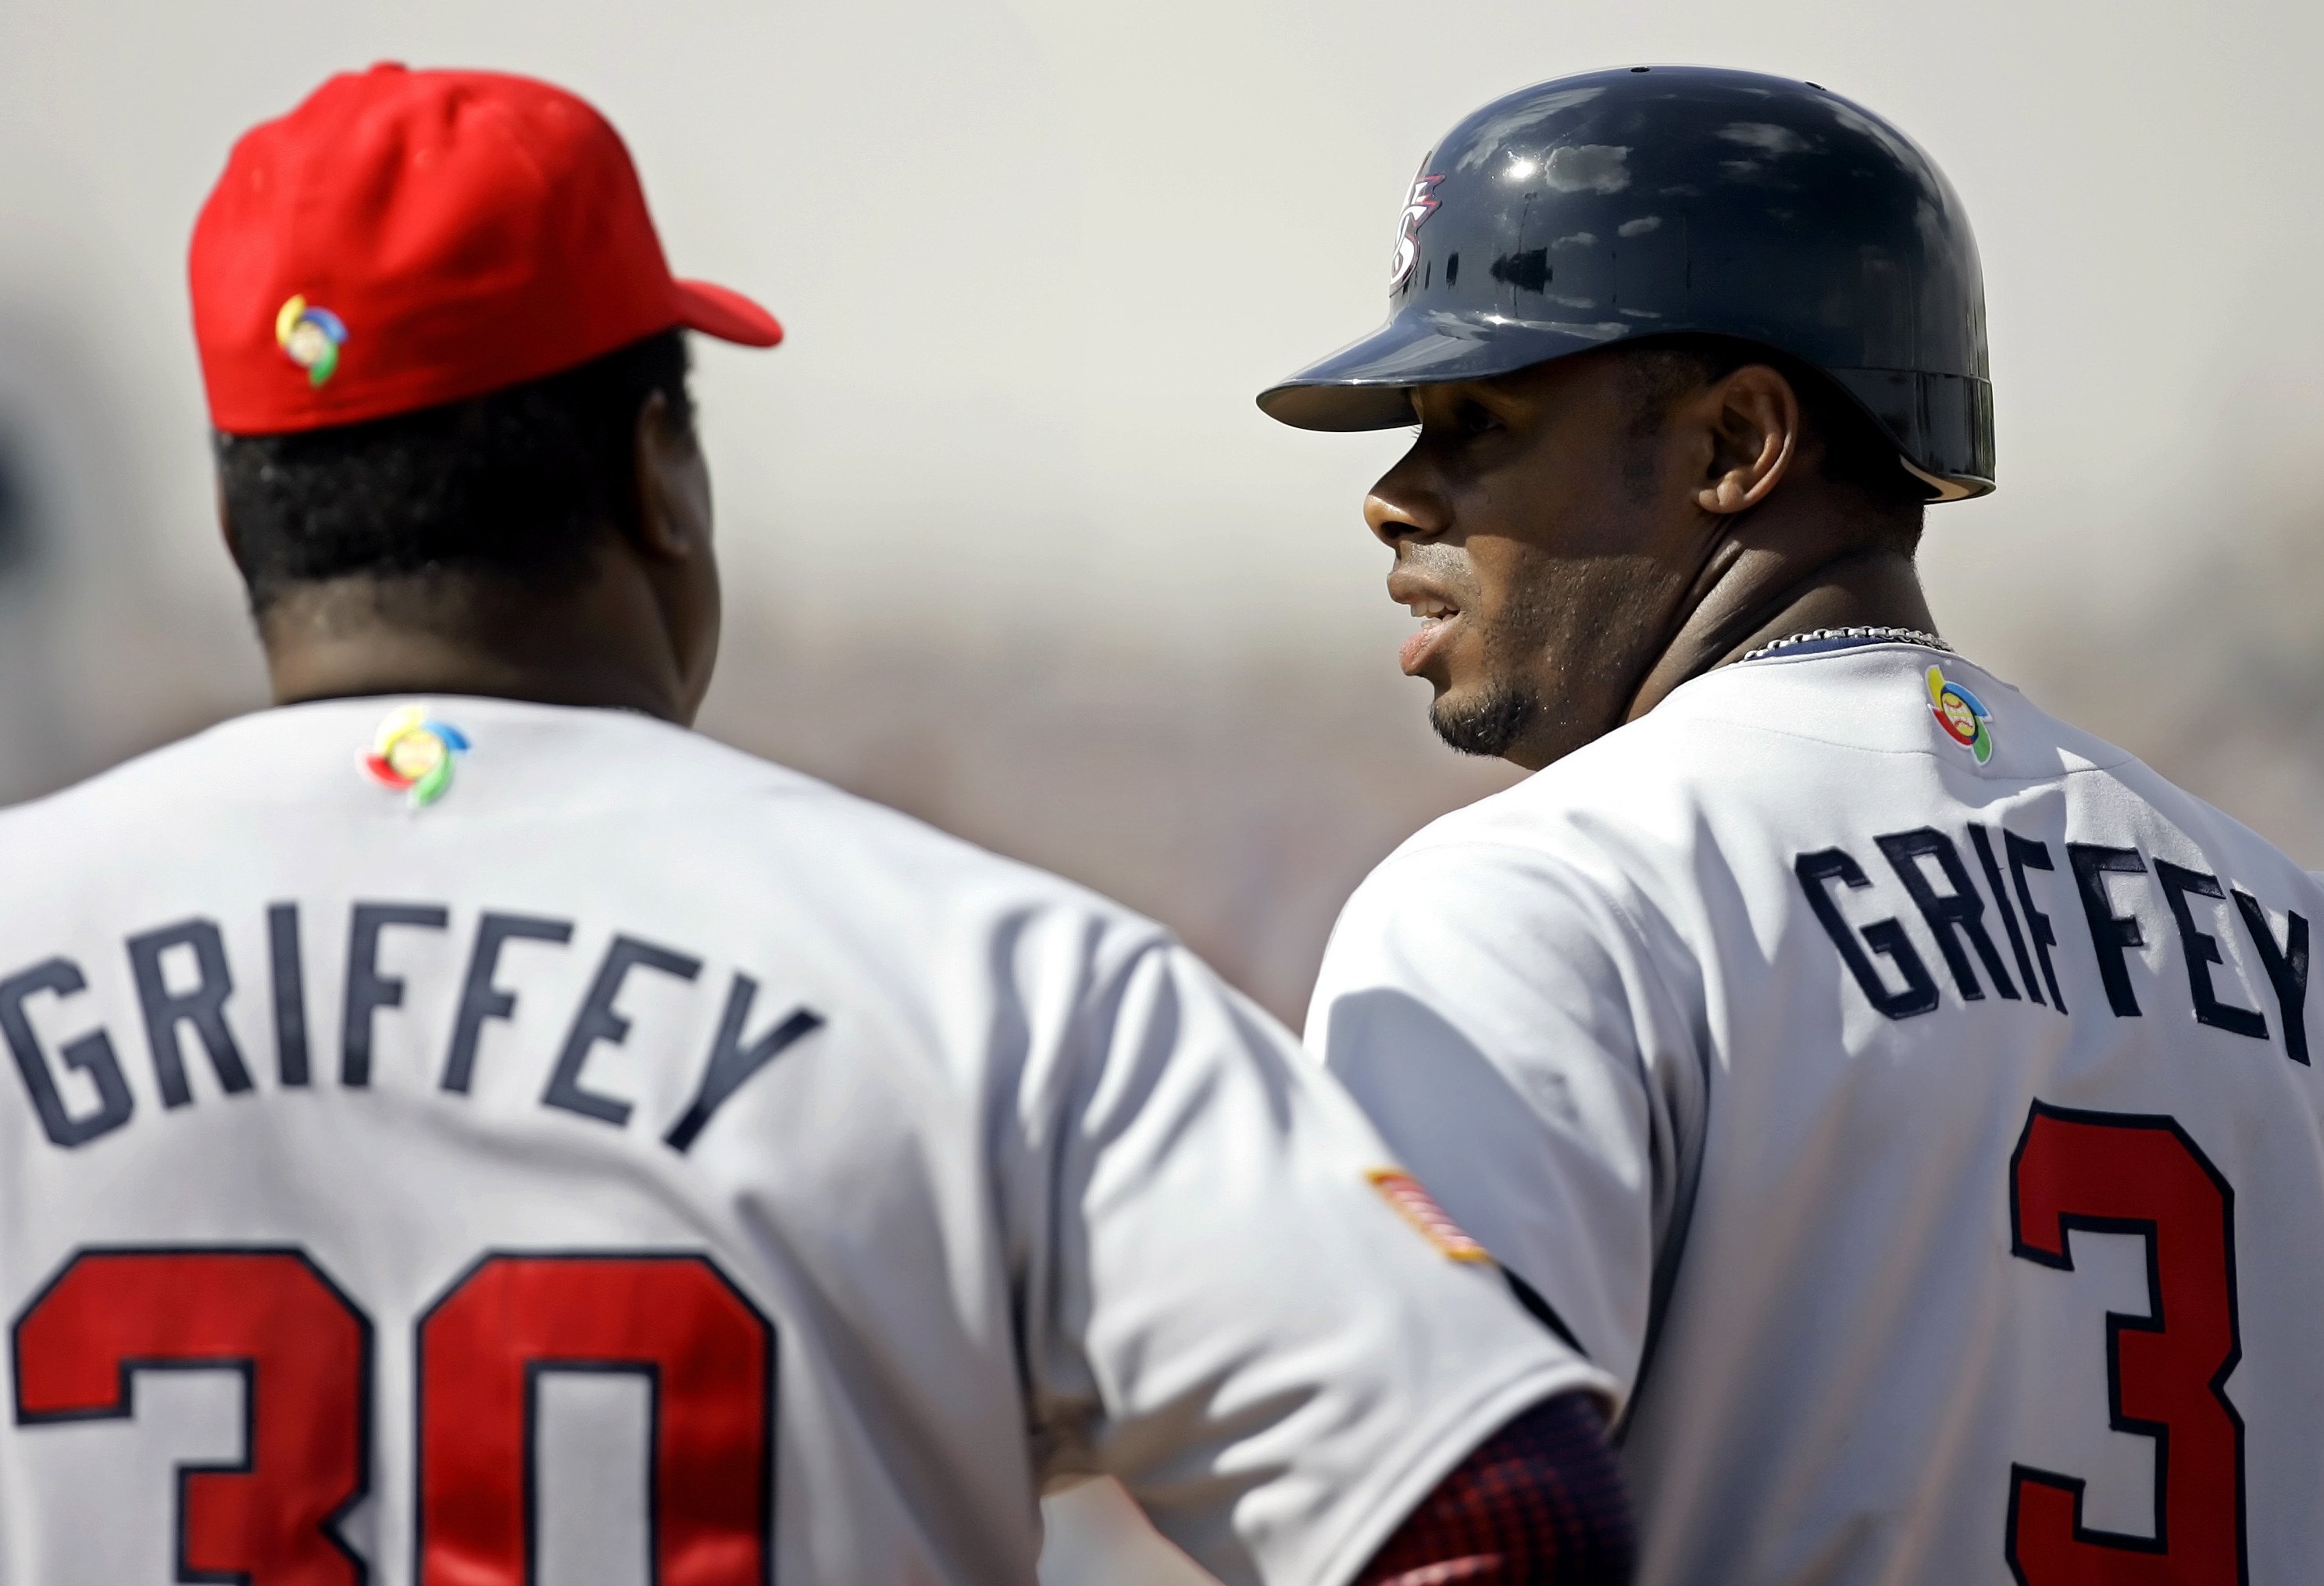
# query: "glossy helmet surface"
(1650, 201)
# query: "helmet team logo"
(412, 752)
(1962, 716)
(1419, 1208)
(310, 335)
(1417, 208)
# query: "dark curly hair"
(519, 482)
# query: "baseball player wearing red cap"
(421, 1061)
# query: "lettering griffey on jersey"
(170, 1014)
(2114, 892)
(1401, 1190)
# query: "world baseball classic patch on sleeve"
(1402, 1191)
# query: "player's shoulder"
(1563, 851)
(1767, 739)
(349, 759)
(1619, 791)
(1740, 758)
(2191, 828)
(606, 781)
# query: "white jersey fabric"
(644, 1149)
(1926, 1139)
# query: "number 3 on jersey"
(304, 1353)
(2166, 1371)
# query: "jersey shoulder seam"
(1924, 752)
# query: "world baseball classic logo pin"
(310, 336)
(412, 752)
(1419, 1208)
(1962, 716)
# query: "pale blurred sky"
(1037, 257)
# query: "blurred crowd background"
(1008, 545)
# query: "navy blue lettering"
(2287, 970)
(480, 998)
(2202, 951)
(92, 1054)
(731, 1062)
(290, 969)
(1951, 916)
(2111, 934)
(1993, 882)
(368, 990)
(2025, 854)
(1816, 872)
(598, 1022)
(202, 1007)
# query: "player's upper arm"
(1496, 1017)
(1230, 1315)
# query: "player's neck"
(355, 637)
(1815, 567)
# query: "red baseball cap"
(406, 238)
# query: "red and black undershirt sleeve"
(1540, 1503)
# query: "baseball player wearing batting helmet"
(420, 1062)
(1907, 1098)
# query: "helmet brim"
(1368, 384)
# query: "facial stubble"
(1496, 716)
(1596, 626)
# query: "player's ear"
(673, 518)
(1754, 416)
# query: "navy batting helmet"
(1650, 201)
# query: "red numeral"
(674, 1319)
(2166, 1371)
(304, 1353)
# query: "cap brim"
(1365, 385)
(726, 314)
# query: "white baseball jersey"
(537, 1144)
(1908, 1099)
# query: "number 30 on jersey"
(303, 1348)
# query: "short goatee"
(1490, 724)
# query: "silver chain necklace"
(1865, 635)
